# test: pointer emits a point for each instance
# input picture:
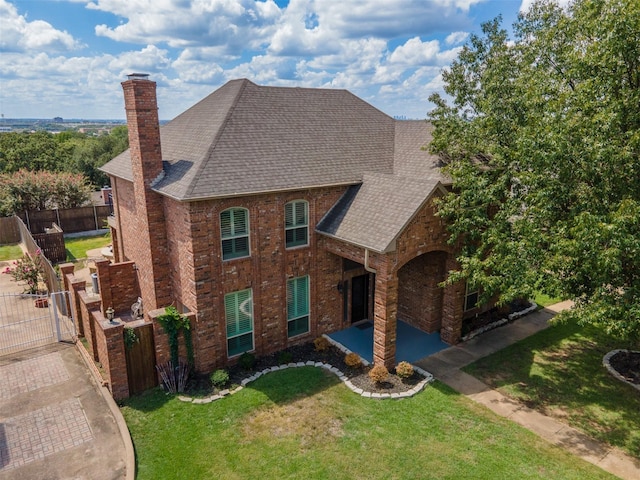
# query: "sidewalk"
(446, 365)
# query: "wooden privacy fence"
(9, 230)
(70, 220)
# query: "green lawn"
(77, 247)
(559, 372)
(304, 424)
(543, 300)
(10, 252)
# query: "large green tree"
(541, 137)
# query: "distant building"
(58, 119)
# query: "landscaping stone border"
(428, 378)
(502, 321)
(606, 361)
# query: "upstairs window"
(234, 230)
(238, 310)
(296, 223)
(297, 306)
(470, 297)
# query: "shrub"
(285, 357)
(404, 370)
(378, 373)
(353, 360)
(247, 361)
(29, 270)
(219, 378)
(321, 344)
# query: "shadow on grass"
(147, 401)
(286, 386)
(559, 372)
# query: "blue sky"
(67, 57)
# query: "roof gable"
(374, 214)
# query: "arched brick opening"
(420, 296)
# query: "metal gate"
(28, 321)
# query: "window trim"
(470, 292)
(293, 281)
(233, 236)
(226, 315)
(296, 226)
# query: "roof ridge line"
(214, 142)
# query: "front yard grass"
(559, 372)
(77, 247)
(303, 423)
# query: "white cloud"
(232, 24)
(416, 52)
(456, 38)
(20, 35)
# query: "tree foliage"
(541, 137)
(67, 151)
(26, 190)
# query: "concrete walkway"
(445, 366)
(56, 422)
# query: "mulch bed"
(200, 385)
(627, 364)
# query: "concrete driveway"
(56, 422)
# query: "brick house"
(273, 215)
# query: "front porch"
(412, 344)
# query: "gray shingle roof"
(373, 214)
(245, 138)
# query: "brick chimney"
(149, 248)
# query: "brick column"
(385, 317)
(111, 353)
(452, 307)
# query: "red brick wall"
(118, 285)
(419, 295)
(201, 279)
(146, 232)
(88, 305)
(111, 354)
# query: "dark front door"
(359, 298)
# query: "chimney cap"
(138, 76)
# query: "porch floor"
(411, 344)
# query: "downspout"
(366, 262)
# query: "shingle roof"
(245, 138)
(373, 214)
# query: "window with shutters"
(296, 223)
(297, 306)
(234, 231)
(238, 310)
(470, 297)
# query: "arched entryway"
(420, 296)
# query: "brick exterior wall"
(118, 284)
(111, 354)
(149, 251)
(176, 248)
